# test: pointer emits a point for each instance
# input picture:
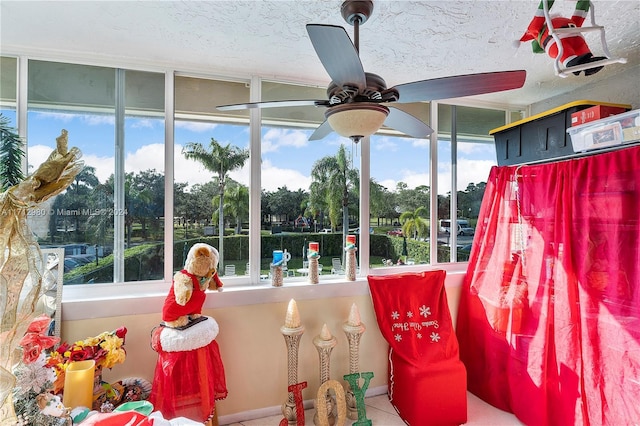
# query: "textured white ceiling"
(403, 41)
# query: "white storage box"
(606, 132)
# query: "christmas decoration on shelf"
(351, 262)
(276, 268)
(292, 331)
(314, 257)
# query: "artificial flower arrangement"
(34, 404)
(106, 349)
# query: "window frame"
(78, 295)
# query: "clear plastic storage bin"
(606, 132)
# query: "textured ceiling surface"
(403, 41)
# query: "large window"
(109, 220)
(399, 196)
(211, 172)
(247, 183)
(304, 185)
(466, 154)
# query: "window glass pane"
(8, 82)
(13, 172)
(473, 156)
(476, 155)
(304, 185)
(205, 140)
(81, 218)
(399, 196)
(144, 176)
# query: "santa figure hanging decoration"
(569, 48)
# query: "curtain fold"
(549, 318)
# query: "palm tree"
(80, 191)
(220, 160)
(414, 223)
(333, 180)
(236, 203)
(137, 201)
(11, 155)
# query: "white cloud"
(275, 177)
(104, 166)
(145, 158)
(36, 155)
(469, 171)
(275, 138)
(384, 144)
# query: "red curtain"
(549, 318)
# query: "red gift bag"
(427, 380)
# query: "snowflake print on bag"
(425, 311)
(435, 337)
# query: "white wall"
(252, 347)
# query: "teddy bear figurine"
(183, 304)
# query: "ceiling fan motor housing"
(376, 91)
(359, 10)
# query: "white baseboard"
(277, 410)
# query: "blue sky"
(287, 155)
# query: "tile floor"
(381, 413)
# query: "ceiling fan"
(358, 101)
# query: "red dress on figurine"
(189, 375)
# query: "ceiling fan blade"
(407, 123)
(273, 104)
(460, 86)
(323, 130)
(337, 54)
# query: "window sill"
(108, 300)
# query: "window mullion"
(119, 181)
(255, 164)
(433, 177)
(169, 144)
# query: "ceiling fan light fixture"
(356, 121)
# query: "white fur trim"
(189, 339)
